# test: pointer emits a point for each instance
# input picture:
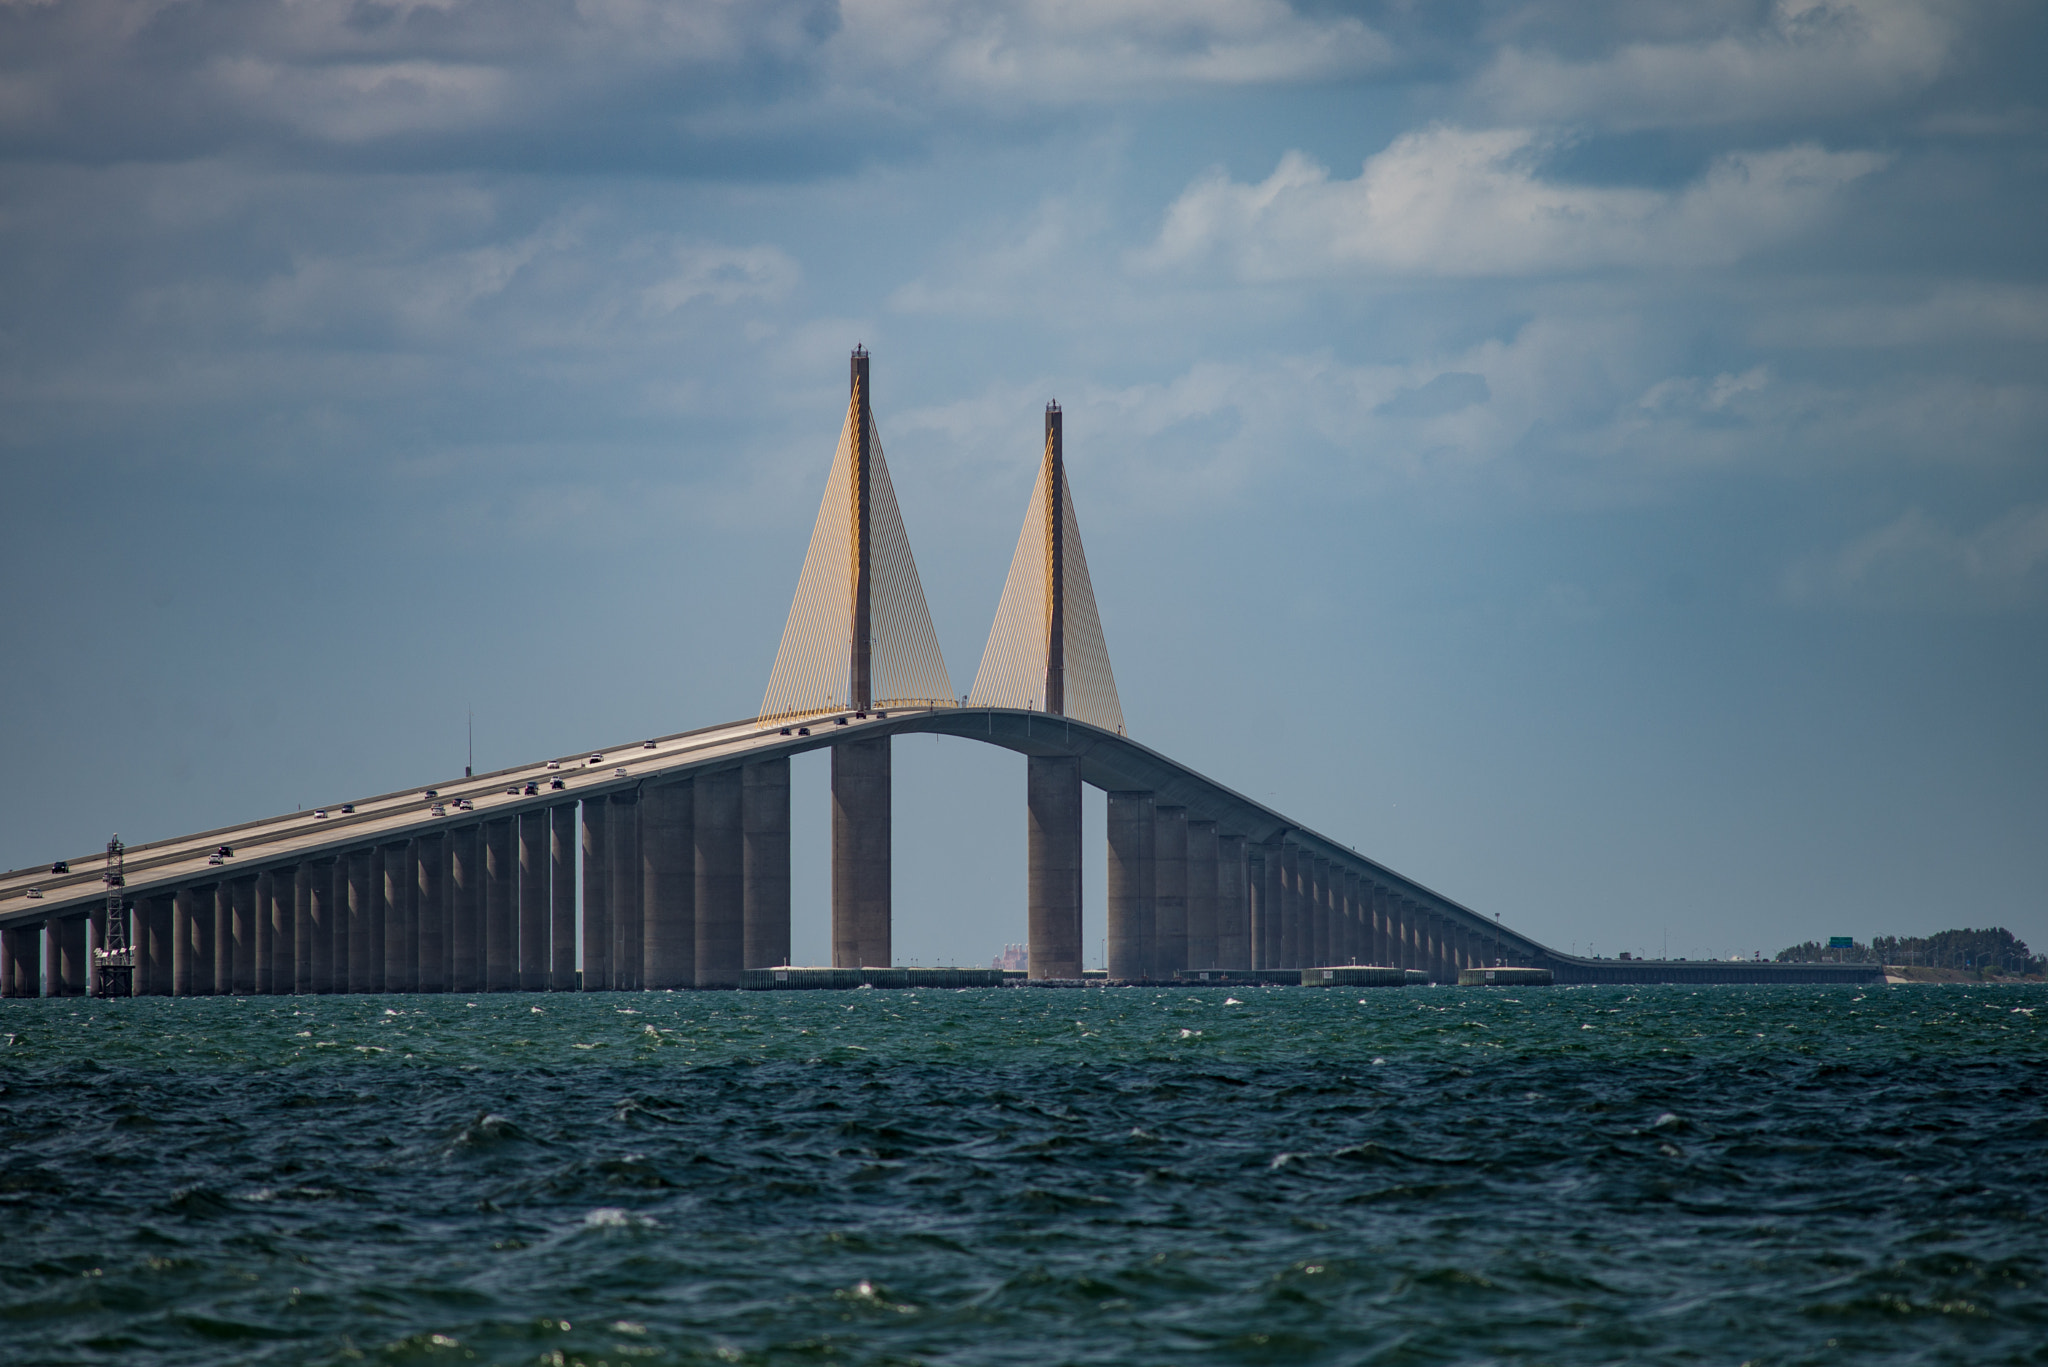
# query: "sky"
(1593, 458)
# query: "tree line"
(1993, 949)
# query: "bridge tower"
(1046, 653)
(859, 639)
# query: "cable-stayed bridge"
(664, 863)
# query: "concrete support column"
(1258, 903)
(13, 978)
(1169, 892)
(153, 946)
(95, 936)
(764, 817)
(719, 837)
(668, 886)
(1052, 846)
(242, 904)
(501, 887)
(1133, 885)
(536, 881)
(1381, 908)
(11, 968)
(1202, 894)
(184, 906)
(862, 930)
(287, 887)
(221, 944)
(597, 896)
(628, 940)
(323, 919)
(430, 910)
(465, 909)
(397, 882)
(355, 907)
(1340, 914)
(1354, 921)
(1322, 929)
(1292, 907)
(500, 910)
(562, 896)
(263, 936)
(67, 937)
(301, 940)
(1233, 903)
(1273, 884)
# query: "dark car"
(61, 866)
(556, 783)
(532, 789)
(228, 852)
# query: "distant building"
(1016, 958)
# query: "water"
(1586, 1175)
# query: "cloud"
(1805, 59)
(1457, 202)
(1948, 313)
(1447, 393)
(470, 81)
(1090, 51)
(1917, 561)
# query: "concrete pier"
(221, 943)
(355, 905)
(430, 909)
(720, 842)
(535, 880)
(668, 886)
(1201, 894)
(289, 888)
(1052, 856)
(300, 942)
(396, 894)
(1292, 907)
(184, 905)
(153, 946)
(1385, 950)
(465, 909)
(1321, 929)
(862, 933)
(1356, 928)
(1233, 903)
(65, 969)
(17, 963)
(322, 915)
(562, 897)
(501, 924)
(1169, 892)
(764, 817)
(1133, 838)
(597, 897)
(241, 956)
(1272, 882)
(628, 942)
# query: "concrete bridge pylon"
(859, 639)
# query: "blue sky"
(1592, 457)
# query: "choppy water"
(1589, 1175)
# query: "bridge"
(663, 862)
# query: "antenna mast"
(117, 956)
